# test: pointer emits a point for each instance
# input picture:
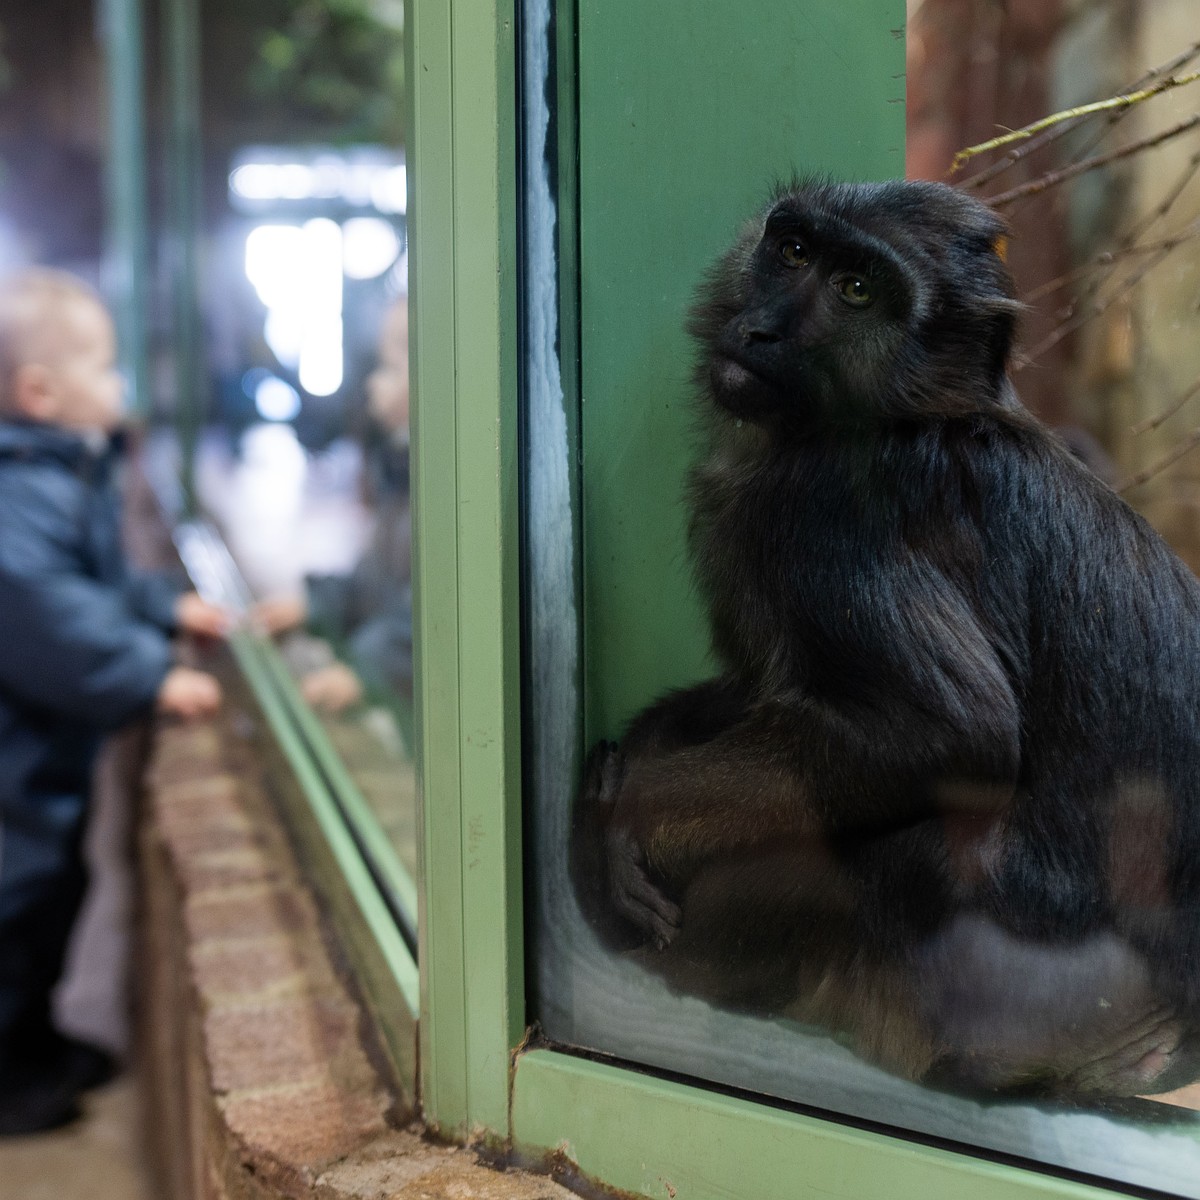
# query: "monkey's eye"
(854, 290)
(792, 251)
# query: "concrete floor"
(97, 1158)
(100, 1156)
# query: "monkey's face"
(847, 303)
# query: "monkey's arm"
(679, 791)
(928, 726)
(669, 805)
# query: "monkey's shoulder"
(993, 493)
(1029, 483)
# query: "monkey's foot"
(1134, 1060)
(636, 897)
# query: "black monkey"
(945, 793)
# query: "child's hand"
(278, 615)
(197, 616)
(189, 694)
(332, 689)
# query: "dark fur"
(943, 794)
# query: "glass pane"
(301, 445)
(994, 951)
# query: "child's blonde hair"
(32, 304)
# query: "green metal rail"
(354, 866)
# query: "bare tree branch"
(987, 174)
(1053, 178)
(1073, 114)
(1185, 447)
(1096, 309)
(1155, 421)
(1167, 203)
(1104, 283)
(1127, 242)
(1108, 259)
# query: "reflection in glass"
(325, 539)
(303, 460)
(366, 611)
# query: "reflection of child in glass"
(368, 611)
(84, 646)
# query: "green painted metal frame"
(463, 279)
(384, 860)
(655, 1137)
(315, 812)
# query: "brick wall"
(261, 1076)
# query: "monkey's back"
(820, 560)
(1105, 824)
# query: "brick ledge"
(259, 1075)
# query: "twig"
(1053, 178)
(1159, 252)
(1189, 231)
(1101, 306)
(1072, 114)
(1087, 146)
(1155, 421)
(987, 174)
(1166, 204)
(1109, 259)
(1185, 447)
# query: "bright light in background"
(369, 247)
(273, 262)
(365, 183)
(390, 191)
(297, 272)
(283, 331)
(273, 181)
(276, 399)
(321, 354)
(272, 475)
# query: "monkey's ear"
(1000, 247)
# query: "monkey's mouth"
(739, 387)
(728, 374)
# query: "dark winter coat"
(83, 639)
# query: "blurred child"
(367, 612)
(84, 647)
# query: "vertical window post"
(463, 271)
(126, 260)
(181, 53)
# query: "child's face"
(84, 388)
(387, 385)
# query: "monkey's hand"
(634, 893)
(637, 897)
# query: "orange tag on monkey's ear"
(1000, 248)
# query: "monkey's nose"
(759, 335)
